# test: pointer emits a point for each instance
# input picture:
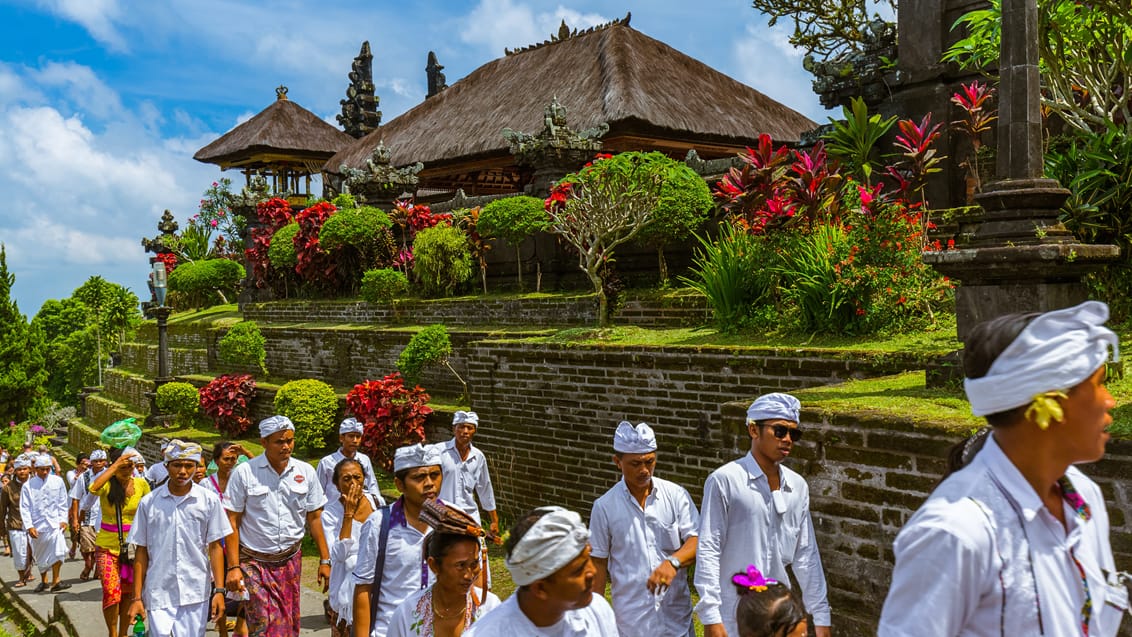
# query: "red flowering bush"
(393, 415)
(227, 401)
(314, 265)
(273, 214)
(169, 259)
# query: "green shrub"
(733, 272)
(683, 207)
(811, 263)
(205, 283)
(243, 344)
(384, 285)
(344, 200)
(442, 260)
(513, 219)
(181, 400)
(359, 228)
(312, 406)
(429, 346)
(281, 253)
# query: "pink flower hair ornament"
(752, 580)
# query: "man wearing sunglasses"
(756, 509)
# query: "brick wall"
(127, 388)
(142, 358)
(654, 312)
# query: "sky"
(104, 102)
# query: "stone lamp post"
(1019, 258)
(161, 312)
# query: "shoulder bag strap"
(379, 568)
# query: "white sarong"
(189, 620)
(18, 540)
(49, 548)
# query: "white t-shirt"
(508, 620)
(409, 619)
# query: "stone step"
(190, 336)
(128, 388)
(141, 358)
(102, 411)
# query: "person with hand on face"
(342, 521)
(43, 509)
(349, 440)
(13, 523)
(85, 514)
(757, 507)
(1015, 541)
(453, 603)
(548, 556)
(271, 499)
(643, 533)
(391, 564)
(465, 472)
(179, 565)
(119, 491)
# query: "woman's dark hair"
(344, 462)
(117, 495)
(437, 545)
(220, 447)
(773, 612)
(520, 528)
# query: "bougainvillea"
(227, 401)
(273, 214)
(393, 415)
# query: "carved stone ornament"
(857, 73)
(359, 110)
(244, 203)
(436, 80)
(160, 244)
(379, 181)
(556, 142)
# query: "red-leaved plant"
(314, 265)
(227, 401)
(393, 415)
(273, 214)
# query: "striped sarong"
(273, 596)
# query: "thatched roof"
(617, 75)
(279, 132)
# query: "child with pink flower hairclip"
(767, 608)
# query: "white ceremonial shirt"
(44, 503)
(405, 568)
(408, 622)
(595, 620)
(176, 531)
(978, 556)
(325, 472)
(739, 525)
(343, 558)
(157, 474)
(635, 541)
(88, 502)
(464, 479)
(275, 506)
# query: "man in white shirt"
(755, 509)
(43, 508)
(179, 564)
(271, 499)
(548, 555)
(86, 513)
(400, 558)
(1016, 540)
(465, 472)
(82, 463)
(643, 532)
(349, 441)
(158, 473)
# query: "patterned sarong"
(273, 597)
(112, 576)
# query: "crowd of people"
(1015, 540)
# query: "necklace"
(463, 608)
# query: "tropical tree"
(23, 370)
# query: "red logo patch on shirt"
(299, 479)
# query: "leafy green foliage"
(383, 285)
(732, 272)
(682, 209)
(281, 253)
(206, 283)
(181, 400)
(430, 346)
(442, 260)
(23, 370)
(313, 406)
(71, 348)
(243, 344)
(853, 139)
(357, 239)
(825, 29)
(512, 219)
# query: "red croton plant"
(314, 265)
(273, 214)
(393, 414)
(227, 401)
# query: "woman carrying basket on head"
(119, 492)
(453, 602)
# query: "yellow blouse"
(109, 539)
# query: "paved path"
(78, 610)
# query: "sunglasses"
(781, 431)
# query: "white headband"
(630, 439)
(97, 454)
(178, 450)
(774, 406)
(350, 426)
(22, 462)
(553, 542)
(417, 455)
(465, 416)
(273, 424)
(1057, 351)
(42, 461)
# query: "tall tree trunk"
(519, 265)
(662, 264)
(602, 300)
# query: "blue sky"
(104, 102)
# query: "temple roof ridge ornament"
(162, 243)
(556, 138)
(565, 33)
(436, 80)
(359, 110)
(379, 181)
(281, 92)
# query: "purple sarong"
(273, 597)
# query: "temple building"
(521, 121)
(284, 143)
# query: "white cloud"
(761, 48)
(82, 88)
(499, 24)
(96, 16)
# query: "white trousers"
(183, 621)
(50, 547)
(19, 543)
